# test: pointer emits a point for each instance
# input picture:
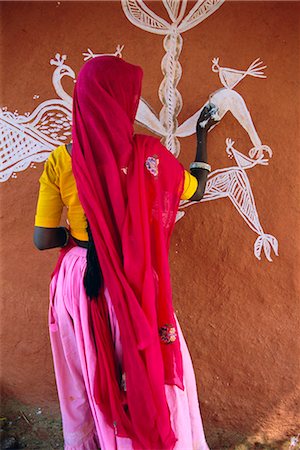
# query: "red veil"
(129, 186)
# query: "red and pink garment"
(129, 186)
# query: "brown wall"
(240, 316)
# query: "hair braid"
(93, 277)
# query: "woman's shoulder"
(61, 151)
(152, 144)
(59, 160)
(146, 139)
(158, 159)
(59, 155)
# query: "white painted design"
(233, 183)
(90, 54)
(143, 17)
(166, 126)
(28, 138)
(231, 77)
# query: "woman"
(123, 371)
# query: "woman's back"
(58, 189)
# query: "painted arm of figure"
(206, 120)
(46, 238)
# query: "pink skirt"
(74, 356)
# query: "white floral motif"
(152, 164)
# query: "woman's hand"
(207, 118)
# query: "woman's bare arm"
(204, 123)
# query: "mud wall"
(240, 315)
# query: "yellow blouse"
(58, 189)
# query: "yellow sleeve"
(190, 186)
(49, 205)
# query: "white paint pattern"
(233, 183)
(28, 138)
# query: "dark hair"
(93, 277)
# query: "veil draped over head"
(129, 186)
